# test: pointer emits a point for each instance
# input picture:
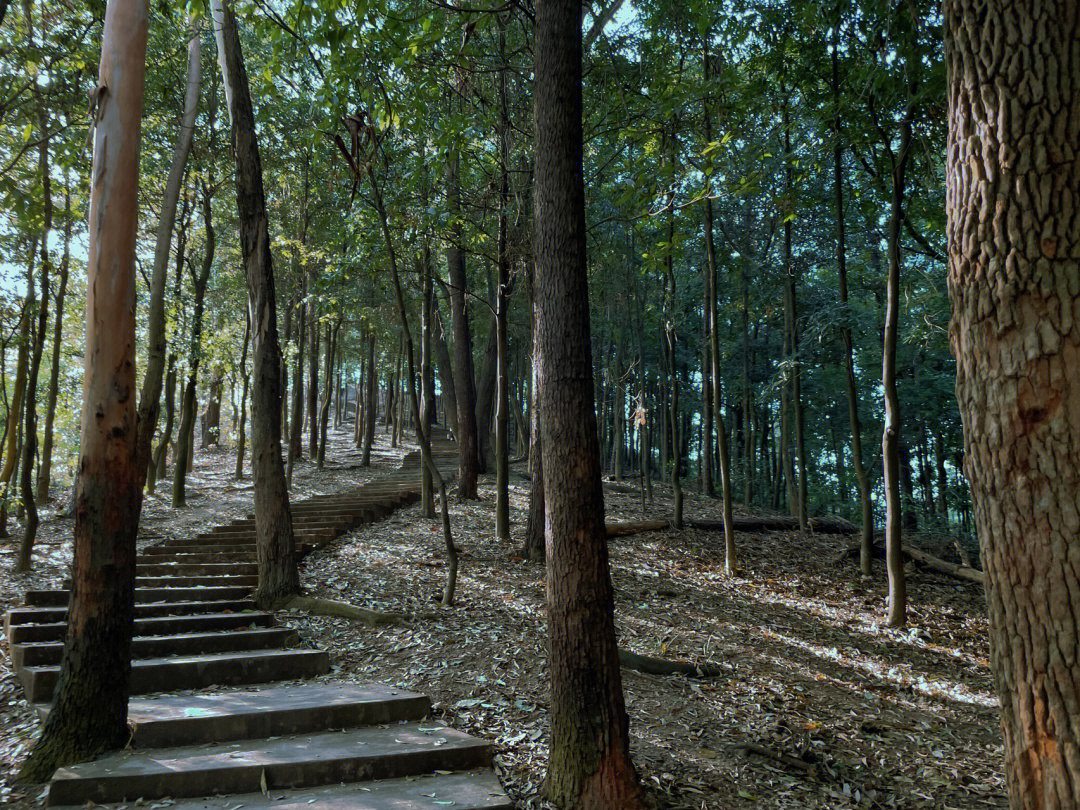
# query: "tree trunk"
(1016, 337)
(427, 382)
(241, 422)
(184, 440)
(15, 409)
(150, 396)
(485, 395)
(370, 404)
(89, 711)
(446, 374)
(730, 555)
(328, 389)
(278, 574)
(211, 426)
(890, 438)
(590, 765)
(502, 396)
(313, 374)
(866, 536)
(464, 385)
(44, 479)
(296, 420)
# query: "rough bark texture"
(1014, 240)
(278, 574)
(590, 763)
(89, 712)
(464, 385)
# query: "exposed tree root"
(921, 557)
(785, 760)
(330, 607)
(661, 666)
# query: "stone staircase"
(222, 714)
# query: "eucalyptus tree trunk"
(89, 710)
(44, 479)
(314, 350)
(427, 383)
(150, 395)
(279, 577)
(589, 767)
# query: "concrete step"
(191, 581)
(160, 626)
(468, 790)
(204, 552)
(48, 653)
(196, 671)
(160, 555)
(305, 760)
(195, 569)
(148, 595)
(270, 711)
(49, 615)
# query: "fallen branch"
(661, 666)
(785, 760)
(343, 610)
(957, 570)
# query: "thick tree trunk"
(89, 711)
(464, 385)
(278, 574)
(427, 383)
(502, 395)
(296, 420)
(590, 765)
(1012, 195)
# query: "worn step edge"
(151, 626)
(466, 790)
(386, 752)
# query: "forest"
(595, 405)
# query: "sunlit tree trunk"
(279, 577)
(89, 711)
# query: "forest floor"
(820, 706)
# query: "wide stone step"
(245, 766)
(211, 580)
(196, 569)
(148, 595)
(468, 790)
(163, 626)
(197, 671)
(48, 653)
(221, 556)
(270, 711)
(48, 615)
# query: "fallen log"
(958, 570)
(662, 666)
(344, 610)
(762, 523)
